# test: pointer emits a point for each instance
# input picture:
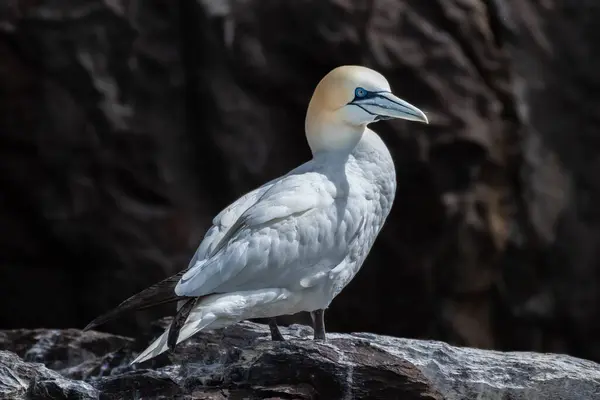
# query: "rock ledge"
(241, 362)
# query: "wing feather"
(224, 221)
(265, 237)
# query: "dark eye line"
(364, 109)
(368, 95)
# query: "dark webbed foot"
(275, 333)
(318, 318)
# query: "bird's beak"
(384, 105)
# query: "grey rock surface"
(26, 380)
(242, 362)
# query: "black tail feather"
(178, 322)
(161, 293)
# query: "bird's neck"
(329, 136)
(372, 149)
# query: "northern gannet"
(295, 242)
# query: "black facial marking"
(369, 95)
(365, 110)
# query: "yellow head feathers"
(345, 101)
(338, 87)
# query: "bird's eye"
(360, 92)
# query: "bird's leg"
(318, 318)
(275, 334)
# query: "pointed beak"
(387, 106)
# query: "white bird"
(294, 243)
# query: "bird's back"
(300, 227)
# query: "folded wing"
(285, 236)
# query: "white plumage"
(294, 243)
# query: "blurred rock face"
(126, 126)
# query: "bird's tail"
(160, 293)
(220, 310)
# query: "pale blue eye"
(360, 92)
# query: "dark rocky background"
(125, 126)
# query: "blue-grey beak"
(384, 105)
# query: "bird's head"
(348, 99)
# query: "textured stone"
(62, 350)
(23, 380)
(550, 281)
(242, 362)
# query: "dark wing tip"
(89, 326)
(101, 320)
(179, 321)
(160, 293)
